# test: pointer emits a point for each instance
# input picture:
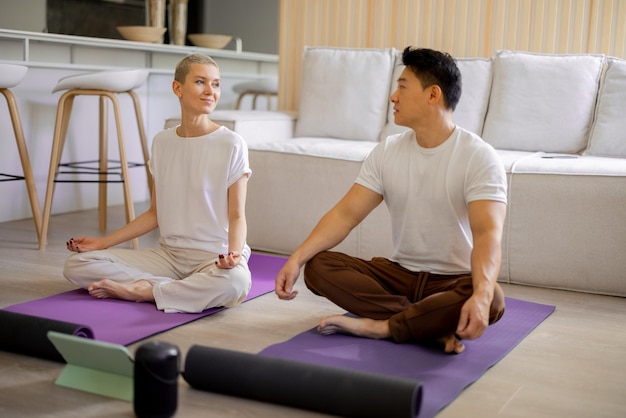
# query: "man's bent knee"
(315, 272)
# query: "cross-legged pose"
(200, 171)
(446, 192)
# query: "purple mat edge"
(266, 266)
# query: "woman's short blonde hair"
(184, 66)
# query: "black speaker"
(157, 365)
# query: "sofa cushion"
(608, 135)
(570, 165)
(511, 158)
(390, 127)
(332, 148)
(542, 102)
(471, 109)
(344, 93)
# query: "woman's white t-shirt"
(191, 180)
(427, 191)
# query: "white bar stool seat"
(10, 76)
(267, 87)
(104, 85)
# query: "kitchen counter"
(53, 51)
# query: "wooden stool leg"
(65, 123)
(142, 137)
(128, 197)
(103, 163)
(239, 99)
(255, 96)
(25, 160)
(60, 133)
(60, 130)
(268, 97)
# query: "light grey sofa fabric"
(556, 122)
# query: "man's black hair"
(435, 68)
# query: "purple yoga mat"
(123, 322)
(443, 376)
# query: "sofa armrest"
(252, 125)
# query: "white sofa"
(557, 121)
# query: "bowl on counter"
(209, 40)
(150, 34)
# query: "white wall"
(254, 21)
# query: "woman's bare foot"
(139, 291)
(451, 344)
(361, 327)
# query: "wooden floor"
(572, 365)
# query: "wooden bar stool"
(104, 85)
(267, 87)
(10, 76)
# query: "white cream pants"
(182, 280)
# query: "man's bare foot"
(451, 344)
(361, 327)
(139, 291)
(376, 329)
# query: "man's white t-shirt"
(427, 191)
(191, 180)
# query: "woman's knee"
(238, 287)
(72, 267)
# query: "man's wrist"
(484, 291)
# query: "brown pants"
(420, 306)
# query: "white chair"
(104, 85)
(10, 76)
(267, 87)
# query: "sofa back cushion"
(608, 135)
(542, 102)
(390, 127)
(344, 93)
(472, 107)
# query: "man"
(446, 193)
(200, 172)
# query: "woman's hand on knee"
(84, 244)
(229, 260)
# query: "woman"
(200, 171)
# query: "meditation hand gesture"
(228, 261)
(83, 244)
